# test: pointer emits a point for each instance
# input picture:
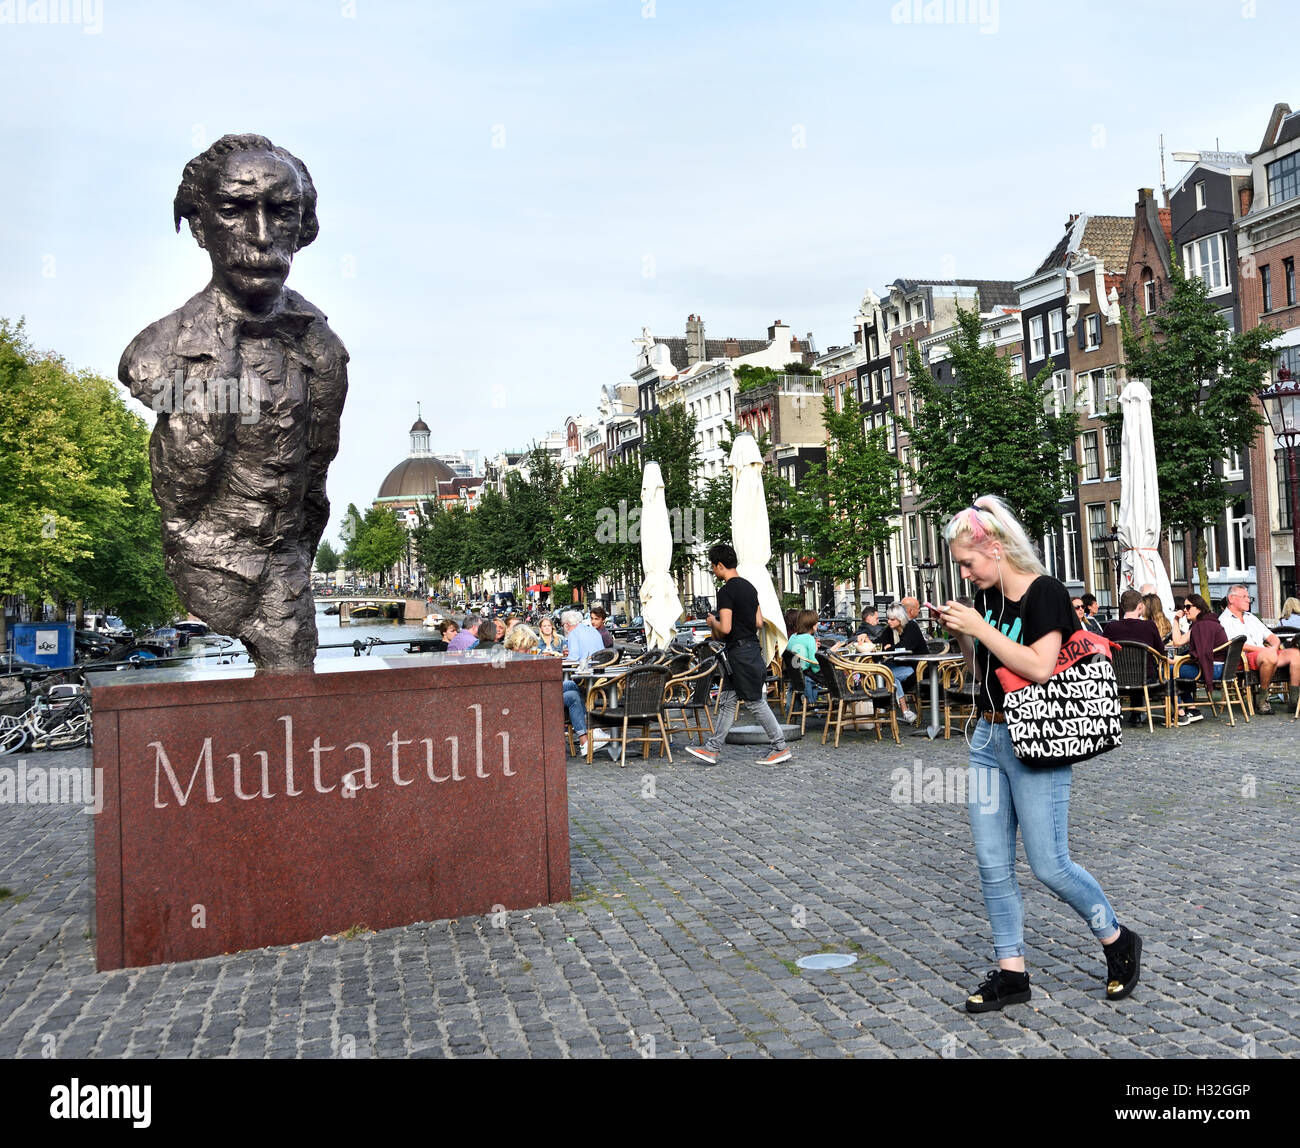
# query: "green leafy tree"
(348, 535)
(844, 505)
(443, 542)
(327, 558)
(77, 517)
(990, 432)
(380, 541)
(1203, 381)
(578, 548)
(670, 441)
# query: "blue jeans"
(1004, 793)
(1189, 670)
(577, 708)
(901, 674)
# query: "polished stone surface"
(244, 810)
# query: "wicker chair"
(606, 657)
(1229, 685)
(640, 703)
(1132, 661)
(850, 683)
(689, 695)
(796, 696)
(957, 703)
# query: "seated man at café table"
(581, 639)
(871, 624)
(598, 617)
(1131, 626)
(466, 636)
(906, 636)
(1263, 649)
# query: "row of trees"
(988, 431)
(78, 520)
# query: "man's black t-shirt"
(740, 597)
(1044, 608)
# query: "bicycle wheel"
(14, 739)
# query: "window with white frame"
(898, 362)
(1091, 460)
(1178, 552)
(1050, 558)
(1112, 442)
(886, 383)
(1102, 391)
(1071, 468)
(1056, 325)
(1239, 532)
(1037, 347)
(1149, 295)
(1017, 364)
(1069, 548)
(1091, 332)
(1061, 392)
(1205, 259)
(1232, 464)
(905, 470)
(1200, 195)
(1100, 558)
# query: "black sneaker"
(1002, 988)
(1123, 963)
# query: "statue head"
(251, 206)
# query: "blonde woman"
(549, 642)
(1155, 613)
(521, 639)
(1020, 618)
(1290, 617)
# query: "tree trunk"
(1202, 575)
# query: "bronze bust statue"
(248, 382)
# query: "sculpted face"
(249, 225)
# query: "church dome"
(415, 477)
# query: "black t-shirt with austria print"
(1044, 608)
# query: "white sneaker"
(909, 716)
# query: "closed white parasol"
(750, 537)
(660, 605)
(1139, 500)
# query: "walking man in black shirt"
(736, 624)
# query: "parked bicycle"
(61, 721)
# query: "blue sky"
(509, 191)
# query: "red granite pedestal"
(242, 811)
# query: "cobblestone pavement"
(696, 890)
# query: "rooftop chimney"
(694, 340)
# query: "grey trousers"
(728, 706)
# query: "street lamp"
(1115, 554)
(927, 577)
(1281, 403)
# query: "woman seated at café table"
(1205, 635)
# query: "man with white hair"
(581, 639)
(1263, 649)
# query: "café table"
(920, 661)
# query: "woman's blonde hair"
(1156, 614)
(522, 639)
(988, 522)
(1290, 606)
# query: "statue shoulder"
(327, 346)
(150, 355)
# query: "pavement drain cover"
(827, 961)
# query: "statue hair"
(193, 189)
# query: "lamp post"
(1115, 555)
(1281, 403)
(927, 578)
